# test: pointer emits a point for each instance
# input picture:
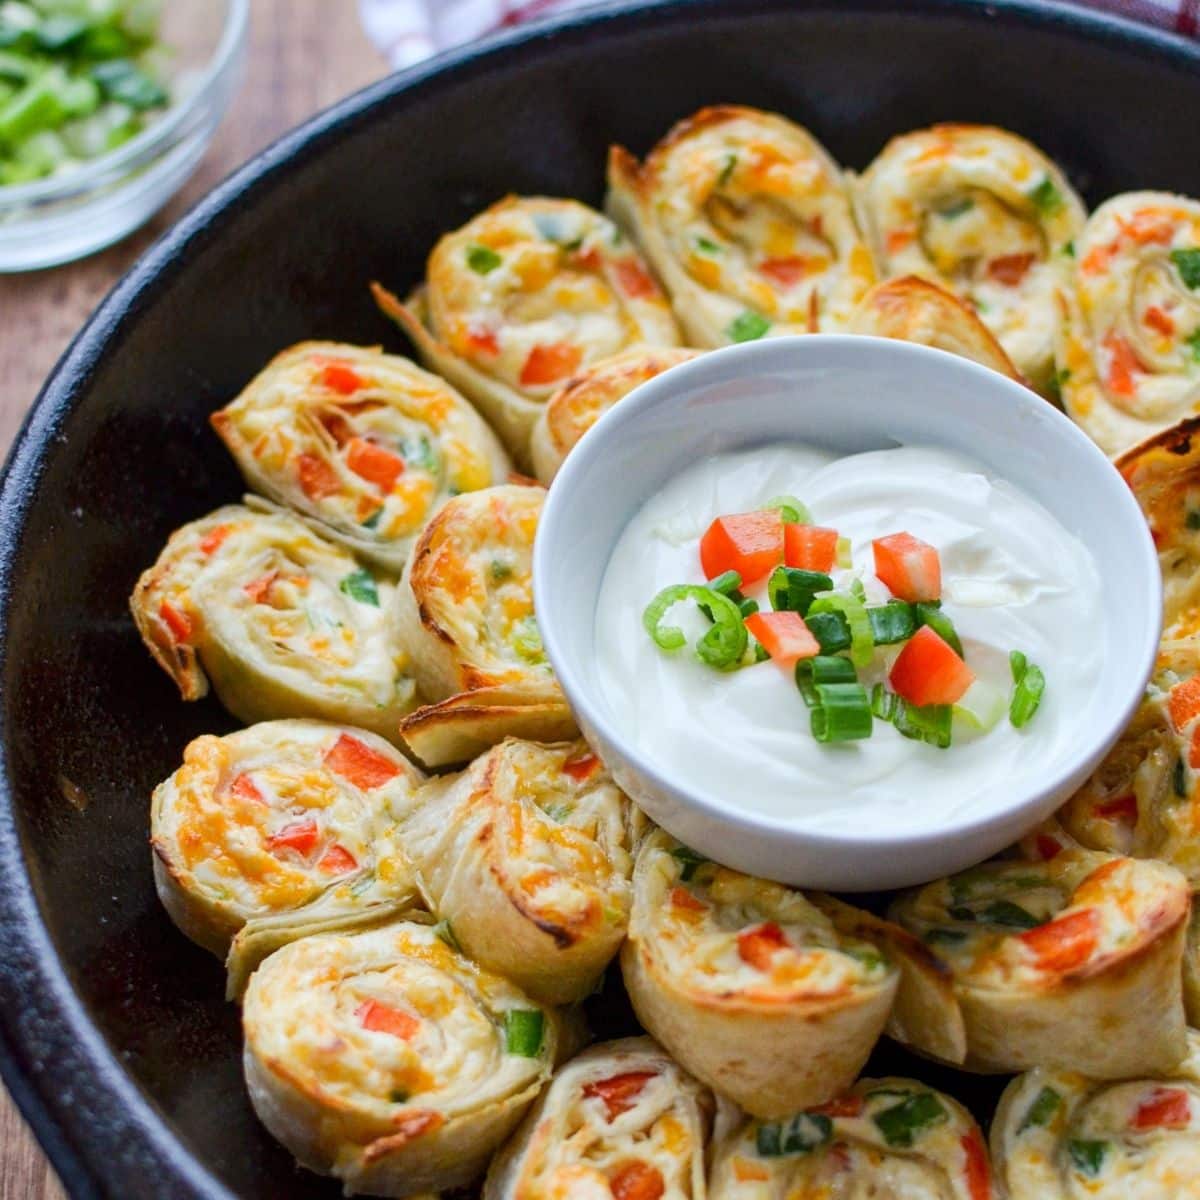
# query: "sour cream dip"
(1012, 579)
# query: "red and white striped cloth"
(409, 30)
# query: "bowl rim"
(772, 357)
(105, 1141)
(110, 167)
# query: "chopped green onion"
(499, 570)
(360, 585)
(689, 859)
(804, 1133)
(372, 522)
(482, 259)
(792, 589)
(1188, 263)
(1017, 663)
(831, 630)
(707, 245)
(998, 912)
(862, 642)
(526, 640)
(123, 81)
(727, 170)
(931, 724)
(398, 1096)
(892, 622)
(1027, 695)
(760, 652)
(957, 208)
(726, 582)
(842, 714)
(747, 327)
(523, 1031)
(791, 510)
(1087, 1155)
(1179, 780)
(931, 614)
(1069, 248)
(59, 32)
(444, 933)
(842, 556)
(1047, 199)
(1193, 340)
(822, 669)
(883, 702)
(981, 707)
(902, 1122)
(721, 647)
(1192, 520)
(948, 937)
(1041, 1112)
(747, 608)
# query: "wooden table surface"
(303, 55)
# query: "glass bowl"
(57, 220)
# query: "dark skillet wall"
(291, 260)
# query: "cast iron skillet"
(115, 1038)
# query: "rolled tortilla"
(1129, 350)
(747, 984)
(623, 1119)
(912, 309)
(365, 443)
(389, 1060)
(1144, 799)
(587, 396)
(465, 607)
(747, 220)
(1058, 1136)
(280, 830)
(282, 622)
(1074, 963)
(988, 216)
(883, 1138)
(521, 297)
(527, 857)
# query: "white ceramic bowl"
(848, 394)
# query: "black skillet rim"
(103, 1136)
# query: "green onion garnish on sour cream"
(827, 633)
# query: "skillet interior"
(116, 1037)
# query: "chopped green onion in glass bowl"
(106, 108)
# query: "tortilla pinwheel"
(912, 309)
(282, 622)
(748, 984)
(365, 443)
(985, 214)
(748, 222)
(389, 1060)
(1074, 963)
(521, 297)
(1129, 352)
(279, 830)
(620, 1120)
(587, 396)
(882, 1138)
(465, 609)
(527, 857)
(1058, 1136)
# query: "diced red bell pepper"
(1010, 269)
(177, 622)
(1183, 703)
(757, 946)
(243, 788)
(683, 899)
(581, 768)
(376, 464)
(1120, 808)
(848, 1105)
(1123, 365)
(785, 271)
(928, 671)
(211, 541)
(381, 1018)
(317, 478)
(749, 543)
(908, 567)
(341, 378)
(810, 547)
(337, 860)
(1158, 320)
(634, 281)
(1164, 1108)
(1064, 943)
(550, 363)
(637, 1181)
(300, 836)
(784, 636)
(362, 766)
(977, 1172)
(619, 1093)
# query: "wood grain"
(303, 55)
